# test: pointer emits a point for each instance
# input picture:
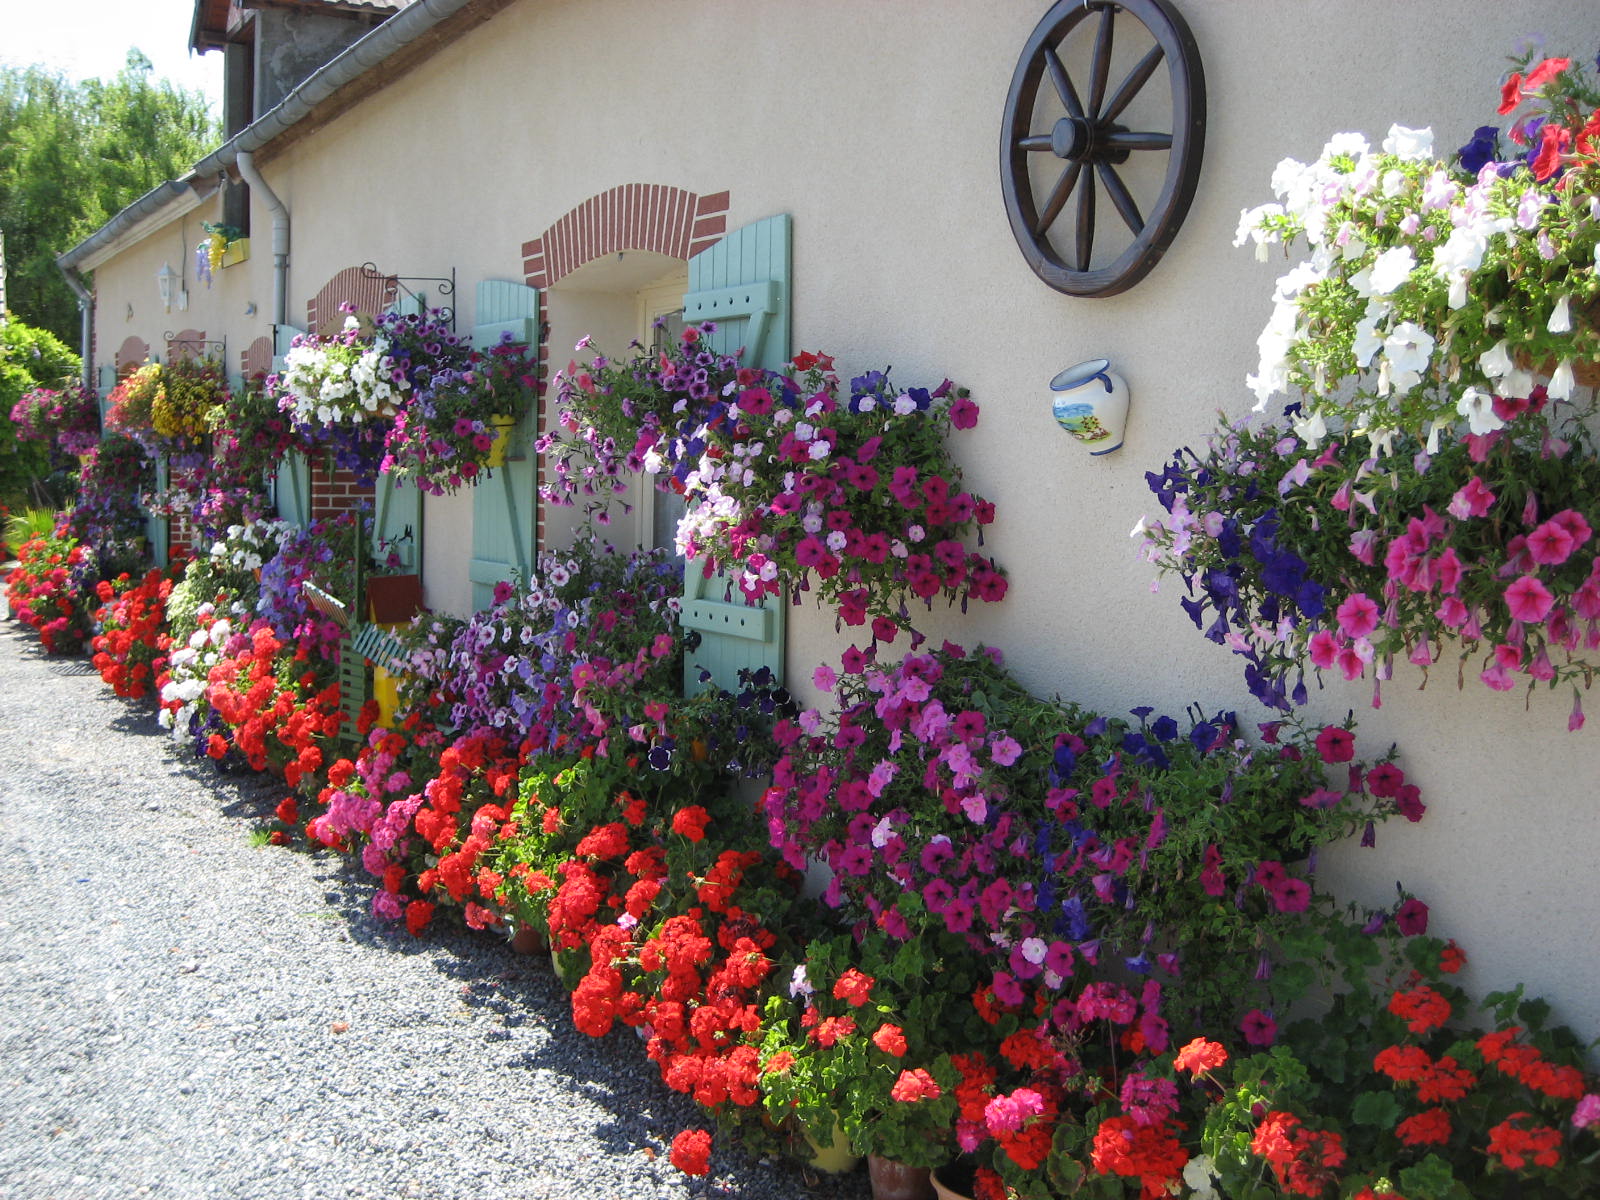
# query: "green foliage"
(73, 155)
(29, 358)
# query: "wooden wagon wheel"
(1079, 154)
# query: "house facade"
(577, 169)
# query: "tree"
(72, 156)
(29, 358)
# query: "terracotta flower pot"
(529, 940)
(896, 1181)
(952, 1182)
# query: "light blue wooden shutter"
(291, 484)
(397, 508)
(106, 382)
(502, 507)
(741, 283)
(155, 525)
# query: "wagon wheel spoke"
(1130, 87)
(1101, 69)
(1120, 198)
(1064, 88)
(1059, 195)
(1129, 140)
(1085, 238)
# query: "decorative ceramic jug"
(1091, 404)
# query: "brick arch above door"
(631, 216)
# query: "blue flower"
(1484, 148)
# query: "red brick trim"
(370, 296)
(187, 343)
(256, 358)
(336, 493)
(134, 352)
(631, 216)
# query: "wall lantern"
(1091, 403)
(165, 279)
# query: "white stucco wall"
(877, 127)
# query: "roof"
(217, 22)
(411, 35)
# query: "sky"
(90, 39)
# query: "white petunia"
(1409, 144)
(1561, 316)
(1496, 361)
(1392, 268)
(1478, 408)
(1561, 381)
(1408, 351)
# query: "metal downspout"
(85, 316)
(280, 236)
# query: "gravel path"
(184, 1014)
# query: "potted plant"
(786, 478)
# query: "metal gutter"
(161, 203)
(370, 52)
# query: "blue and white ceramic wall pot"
(1091, 404)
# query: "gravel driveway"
(185, 1014)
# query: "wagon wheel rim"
(1079, 153)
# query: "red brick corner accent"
(256, 358)
(369, 295)
(335, 493)
(632, 216)
(132, 354)
(187, 343)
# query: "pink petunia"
(1358, 616)
(1259, 1028)
(1324, 649)
(1528, 599)
(1551, 544)
(1412, 919)
(1471, 500)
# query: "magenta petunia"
(1259, 1028)
(1412, 918)
(1358, 615)
(1528, 599)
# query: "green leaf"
(1378, 1109)
(1431, 1179)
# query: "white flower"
(1478, 408)
(1367, 342)
(1456, 260)
(904, 405)
(1409, 144)
(1561, 381)
(1311, 430)
(1392, 183)
(1199, 1173)
(1408, 350)
(1561, 316)
(1496, 361)
(1392, 268)
(1345, 145)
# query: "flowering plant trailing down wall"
(444, 433)
(1426, 489)
(339, 392)
(785, 479)
(69, 416)
(403, 395)
(1481, 550)
(1433, 285)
